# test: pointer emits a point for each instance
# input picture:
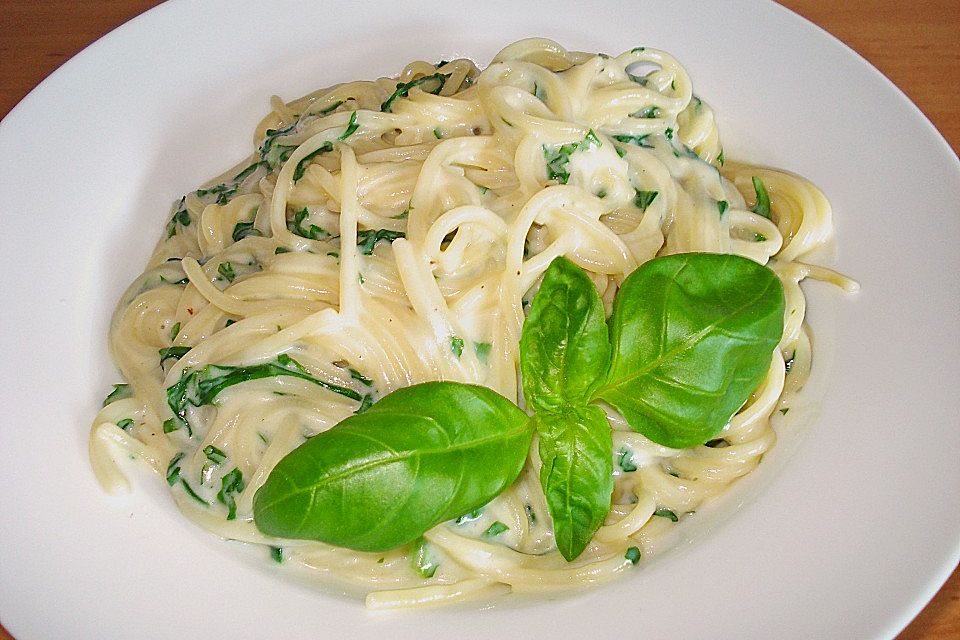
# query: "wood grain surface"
(915, 44)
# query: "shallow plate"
(847, 537)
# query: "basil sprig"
(380, 479)
(691, 336)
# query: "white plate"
(848, 537)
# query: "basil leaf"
(564, 349)
(403, 89)
(762, 208)
(692, 337)
(380, 479)
(577, 473)
(352, 126)
(301, 167)
(367, 239)
(243, 229)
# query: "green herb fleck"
(469, 517)
(762, 208)
(302, 165)
(482, 349)
(423, 559)
(331, 108)
(403, 89)
(633, 555)
(125, 424)
(296, 227)
(722, 206)
(626, 460)
(437, 133)
(644, 199)
(352, 126)
(182, 218)
(214, 455)
(230, 485)
(639, 141)
(648, 113)
(456, 345)
(120, 392)
(276, 553)
(669, 133)
(174, 353)
(359, 377)
(495, 529)
(367, 239)
(174, 331)
(666, 513)
(784, 410)
(243, 229)
(226, 270)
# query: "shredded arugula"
(230, 485)
(226, 271)
(301, 167)
(296, 227)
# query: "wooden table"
(916, 44)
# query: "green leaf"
(482, 349)
(495, 529)
(226, 271)
(174, 353)
(762, 208)
(331, 108)
(214, 455)
(644, 199)
(301, 167)
(277, 554)
(202, 386)
(120, 391)
(577, 473)
(243, 229)
(367, 239)
(668, 514)
(456, 345)
(231, 484)
(722, 206)
(125, 424)
(174, 331)
(564, 350)
(351, 127)
(403, 89)
(692, 337)
(633, 555)
(296, 227)
(420, 456)
(424, 560)
(640, 141)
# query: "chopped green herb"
(591, 139)
(276, 553)
(782, 411)
(495, 529)
(633, 555)
(125, 424)
(456, 345)
(620, 150)
(716, 443)
(280, 250)
(722, 206)
(226, 270)
(214, 455)
(229, 322)
(367, 239)
(302, 165)
(669, 133)
(644, 199)
(231, 484)
(557, 160)
(359, 377)
(182, 218)
(626, 460)
(482, 349)
(174, 331)
(296, 227)
(120, 392)
(638, 50)
(243, 175)
(201, 387)
(170, 425)
(270, 152)
(648, 112)
(365, 403)
(639, 141)
(174, 476)
(174, 353)
(331, 108)
(352, 126)
(403, 89)
(759, 237)
(762, 208)
(243, 229)
(469, 517)
(423, 559)
(538, 93)
(720, 158)
(437, 133)
(531, 516)
(333, 254)
(666, 513)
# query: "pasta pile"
(393, 232)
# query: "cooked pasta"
(393, 232)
